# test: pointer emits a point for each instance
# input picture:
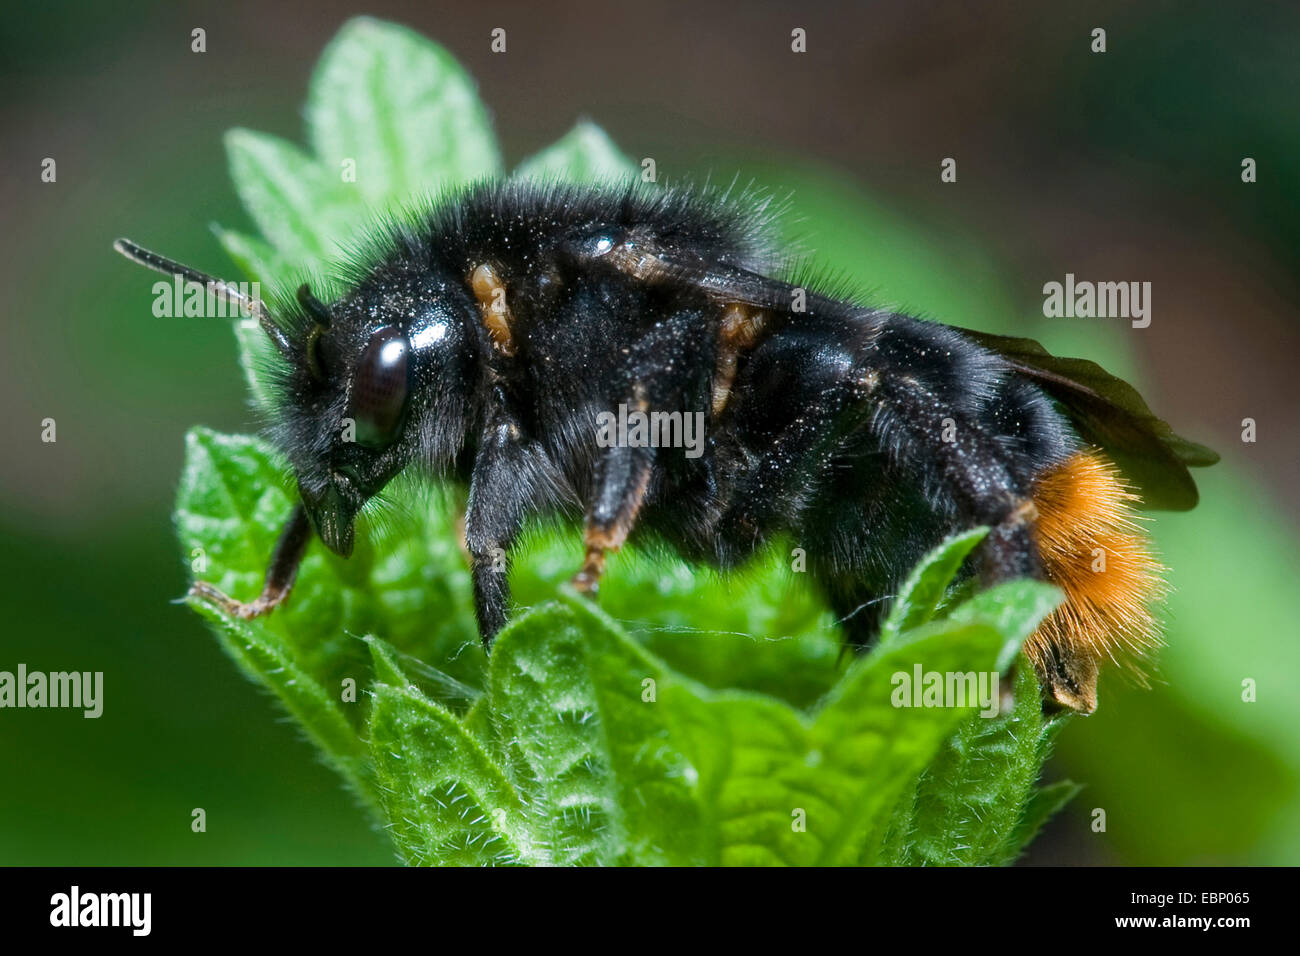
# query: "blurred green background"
(1123, 165)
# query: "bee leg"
(622, 477)
(280, 575)
(776, 488)
(511, 475)
(658, 376)
(958, 454)
(924, 434)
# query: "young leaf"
(584, 154)
(877, 747)
(411, 589)
(447, 803)
(973, 794)
(255, 257)
(1044, 803)
(923, 592)
(401, 110)
(762, 629)
(779, 787)
(1015, 608)
(388, 669)
(223, 489)
(752, 776)
(607, 773)
(295, 203)
(590, 751)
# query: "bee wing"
(726, 281)
(1109, 412)
(732, 284)
(1105, 410)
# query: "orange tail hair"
(1093, 548)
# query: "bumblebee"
(482, 340)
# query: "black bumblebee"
(487, 339)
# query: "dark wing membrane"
(1109, 412)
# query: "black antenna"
(319, 311)
(220, 288)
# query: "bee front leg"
(280, 575)
(511, 476)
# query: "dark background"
(1123, 166)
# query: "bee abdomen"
(1093, 548)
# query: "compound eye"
(379, 389)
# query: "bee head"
(374, 382)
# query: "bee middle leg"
(622, 478)
(657, 376)
(926, 435)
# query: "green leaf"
(762, 629)
(881, 747)
(590, 753)
(971, 798)
(1015, 608)
(751, 775)
(409, 586)
(584, 154)
(297, 205)
(256, 258)
(782, 788)
(724, 729)
(388, 669)
(316, 711)
(217, 520)
(1044, 803)
(923, 592)
(401, 109)
(447, 803)
(586, 748)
